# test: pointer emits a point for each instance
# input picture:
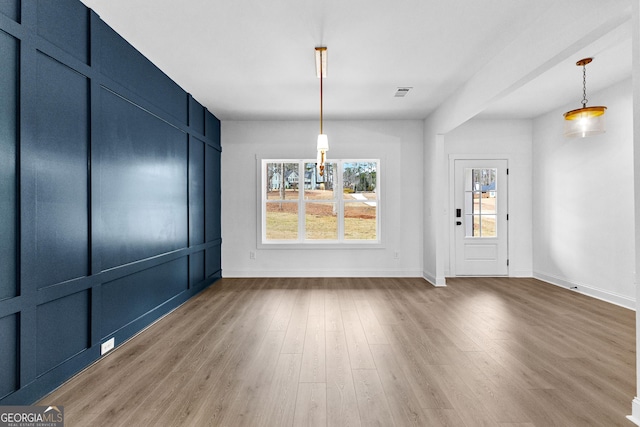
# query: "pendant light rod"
(321, 51)
(323, 143)
(321, 100)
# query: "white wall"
(433, 208)
(500, 139)
(635, 77)
(583, 201)
(399, 145)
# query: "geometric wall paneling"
(109, 179)
(10, 9)
(8, 354)
(143, 183)
(212, 260)
(196, 268)
(212, 127)
(212, 196)
(8, 146)
(127, 298)
(196, 116)
(65, 23)
(215, 188)
(56, 220)
(63, 330)
(196, 191)
(123, 63)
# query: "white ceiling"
(254, 59)
(562, 83)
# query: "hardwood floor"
(382, 351)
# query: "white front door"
(480, 217)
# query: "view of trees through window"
(302, 206)
(480, 200)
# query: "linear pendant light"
(585, 121)
(323, 142)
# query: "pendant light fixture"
(323, 141)
(585, 121)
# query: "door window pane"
(488, 204)
(488, 226)
(480, 202)
(476, 226)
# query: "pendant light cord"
(584, 85)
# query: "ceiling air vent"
(402, 92)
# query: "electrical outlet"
(396, 255)
(107, 346)
(252, 255)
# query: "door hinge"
(507, 262)
(507, 171)
(507, 217)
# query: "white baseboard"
(521, 273)
(512, 273)
(321, 273)
(635, 411)
(610, 297)
(437, 282)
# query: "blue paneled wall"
(109, 193)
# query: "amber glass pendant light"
(585, 121)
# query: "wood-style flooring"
(360, 351)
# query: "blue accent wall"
(109, 194)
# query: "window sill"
(320, 245)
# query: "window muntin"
(308, 208)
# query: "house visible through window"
(301, 206)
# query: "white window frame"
(302, 242)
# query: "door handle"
(458, 222)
